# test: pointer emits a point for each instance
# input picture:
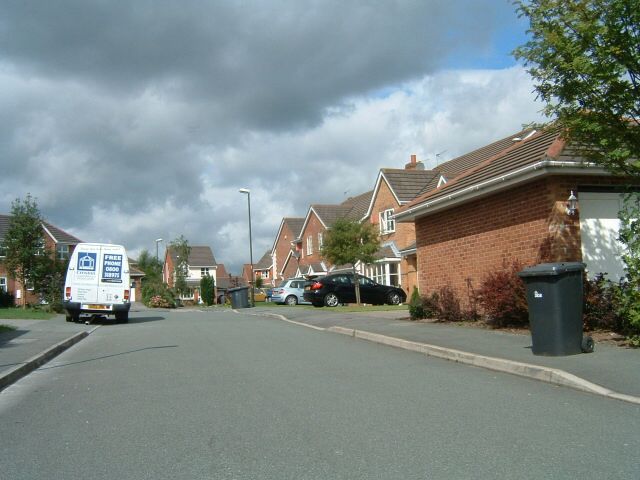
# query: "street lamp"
(248, 193)
(158, 240)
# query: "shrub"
(600, 308)
(6, 299)
(502, 296)
(157, 294)
(207, 290)
(449, 305)
(416, 310)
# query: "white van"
(97, 282)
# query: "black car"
(338, 288)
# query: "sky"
(135, 120)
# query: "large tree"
(584, 56)
(150, 265)
(349, 241)
(24, 243)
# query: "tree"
(150, 265)
(24, 243)
(349, 241)
(181, 270)
(585, 58)
(207, 290)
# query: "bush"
(502, 296)
(157, 294)
(207, 290)
(600, 308)
(449, 305)
(6, 299)
(416, 310)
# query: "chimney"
(414, 164)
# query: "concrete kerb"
(40, 359)
(553, 376)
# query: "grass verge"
(25, 314)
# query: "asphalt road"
(221, 395)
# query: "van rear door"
(86, 273)
(113, 274)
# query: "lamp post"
(248, 193)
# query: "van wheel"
(68, 318)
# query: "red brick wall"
(404, 235)
(313, 227)
(527, 223)
(282, 249)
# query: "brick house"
(264, 269)
(55, 240)
(284, 257)
(507, 201)
(200, 263)
(319, 218)
(396, 262)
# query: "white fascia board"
(44, 227)
(503, 182)
(306, 221)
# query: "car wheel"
(394, 298)
(331, 300)
(291, 300)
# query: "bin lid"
(237, 289)
(551, 269)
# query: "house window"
(3, 284)
(204, 271)
(310, 245)
(62, 251)
(40, 247)
(387, 223)
(3, 252)
(320, 241)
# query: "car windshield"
(283, 284)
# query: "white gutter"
(508, 179)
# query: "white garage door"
(599, 227)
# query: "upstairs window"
(204, 271)
(3, 284)
(62, 251)
(310, 245)
(320, 241)
(387, 223)
(3, 252)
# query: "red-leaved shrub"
(503, 298)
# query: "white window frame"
(62, 251)
(310, 245)
(4, 286)
(3, 252)
(387, 223)
(320, 240)
(204, 271)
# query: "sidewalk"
(614, 368)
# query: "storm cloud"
(131, 121)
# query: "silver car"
(290, 291)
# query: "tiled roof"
(527, 152)
(354, 208)
(407, 184)
(265, 262)
(294, 224)
(59, 236)
(453, 168)
(200, 256)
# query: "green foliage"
(601, 305)
(23, 242)
(628, 294)
(585, 58)
(207, 290)
(48, 281)
(416, 310)
(349, 241)
(503, 297)
(150, 265)
(259, 281)
(180, 246)
(157, 294)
